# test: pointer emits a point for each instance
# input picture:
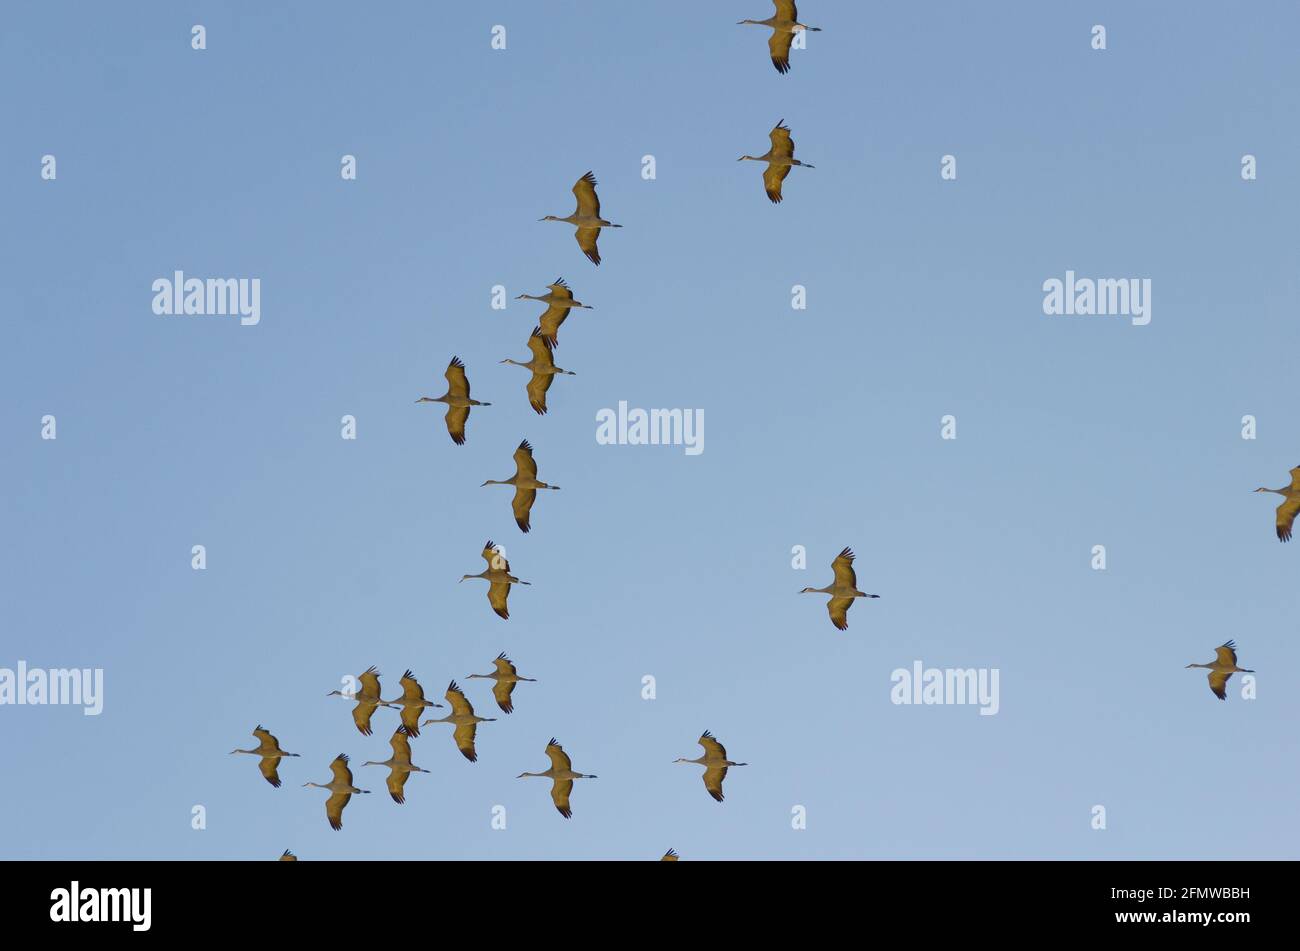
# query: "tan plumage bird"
(399, 764)
(367, 699)
(670, 856)
(586, 218)
(558, 304)
(499, 579)
(268, 748)
(457, 400)
(715, 764)
(842, 591)
(779, 158)
(288, 856)
(466, 722)
(341, 790)
(561, 775)
(1221, 668)
(412, 703)
(1286, 512)
(783, 26)
(525, 484)
(544, 370)
(506, 676)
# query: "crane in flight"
(779, 158)
(842, 590)
(586, 218)
(784, 25)
(1221, 668)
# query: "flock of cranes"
(412, 705)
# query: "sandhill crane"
(367, 699)
(288, 856)
(506, 676)
(462, 715)
(1286, 512)
(1221, 668)
(526, 485)
(586, 218)
(561, 775)
(783, 26)
(558, 304)
(715, 764)
(670, 856)
(499, 577)
(399, 764)
(341, 790)
(268, 748)
(842, 591)
(779, 159)
(411, 702)
(457, 400)
(544, 370)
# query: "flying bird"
(842, 591)
(586, 218)
(499, 579)
(411, 702)
(463, 717)
(558, 304)
(399, 764)
(506, 676)
(670, 856)
(341, 790)
(367, 699)
(457, 400)
(783, 26)
(288, 856)
(1290, 505)
(715, 764)
(561, 775)
(544, 370)
(779, 159)
(525, 483)
(268, 748)
(1221, 668)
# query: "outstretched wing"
(1219, 683)
(839, 612)
(713, 777)
(773, 176)
(498, 593)
(342, 774)
(269, 767)
(522, 506)
(778, 44)
(584, 189)
(587, 238)
(401, 744)
(456, 418)
(537, 387)
(845, 576)
(1226, 655)
(540, 349)
(411, 720)
(560, 790)
(396, 785)
(334, 809)
(370, 682)
(457, 381)
(670, 856)
(1286, 513)
(504, 664)
(464, 737)
(502, 690)
(525, 465)
(492, 555)
(267, 743)
(712, 748)
(361, 715)
(549, 325)
(559, 759)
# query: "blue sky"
(822, 425)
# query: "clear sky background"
(822, 427)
